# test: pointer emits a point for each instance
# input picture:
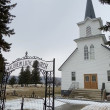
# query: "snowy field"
(29, 103)
(37, 104)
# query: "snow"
(37, 104)
(97, 107)
(91, 105)
(29, 103)
(77, 101)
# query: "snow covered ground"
(77, 101)
(97, 107)
(90, 104)
(29, 103)
(37, 104)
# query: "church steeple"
(89, 10)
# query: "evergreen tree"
(35, 73)
(21, 77)
(2, 67)
(106, 27)
(12, 81)
(105, 1)
(5, 18)
(27, 76)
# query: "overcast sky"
(47, 28)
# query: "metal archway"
(47, 68)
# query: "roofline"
(106, 47)
(67, 59)
(92, 36)
(94, 19)
(75, 51)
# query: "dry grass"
(27, 91)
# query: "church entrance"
(90, 81)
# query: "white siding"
(76, 62)
(98, 66)
(94, 24)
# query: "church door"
(90, 81)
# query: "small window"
(88, 31)
(93, 78)
(108, 73)
(87, 78)
(92, 53)
(86, 53)
(73, 76)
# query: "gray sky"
(47, 28)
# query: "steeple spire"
(89, 10)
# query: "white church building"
(89, 64)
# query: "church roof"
(67, 59)
(106, 47)
(92, 20)
(89, 10)
(91, 37)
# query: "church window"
(93, 78)
(73, 76)
(86, 54)
(87, 78)
(92, 54)
(108, 74)
(88, 31)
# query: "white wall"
(94, 24)
(76, 63)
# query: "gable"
(106, 47)
(60, 69)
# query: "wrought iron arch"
(47, 68)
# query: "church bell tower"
(90, 26)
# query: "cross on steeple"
(89, 10)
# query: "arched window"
(86, 54)
(88, 31)
(92, 53)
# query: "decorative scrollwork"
(49, 76)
